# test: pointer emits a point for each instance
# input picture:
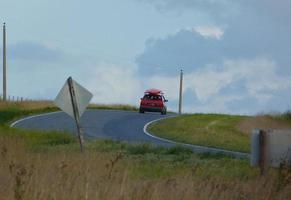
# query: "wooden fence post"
(263, 152)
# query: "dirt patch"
(262, 122)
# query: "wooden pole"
(181, 92)
(263, 152)
(76, 112)
(4, 63)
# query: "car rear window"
(152, 97)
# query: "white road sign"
(64, 101)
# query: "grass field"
(49, 165)
(214, 130)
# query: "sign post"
(76, 112)
(73, 100)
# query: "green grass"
(154, 162)
(211, 130)
(182, 165)
(13, 113)
(285, 117)
(38, 140)
(136, 149)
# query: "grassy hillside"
(213, 130)
(49, 165)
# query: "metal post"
(181, 92)
(4, 63)
(263, 152)
(76, 112)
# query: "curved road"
(111, 124)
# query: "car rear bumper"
(151, 109)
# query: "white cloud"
(207, 82)
(169, 85)
(209, 31)
(110, 83)
(258, 76)
(217, 104)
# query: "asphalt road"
(111, 124)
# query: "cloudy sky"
(236, 54)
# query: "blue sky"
(235, 54)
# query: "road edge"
(30, 117)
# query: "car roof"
(154, 91)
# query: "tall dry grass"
(92, 175)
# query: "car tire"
(164, 111)
(141, 111)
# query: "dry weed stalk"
(110, 166)
(71, 175)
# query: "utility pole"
(4, 63)
(181, 92)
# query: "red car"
(153, 101)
